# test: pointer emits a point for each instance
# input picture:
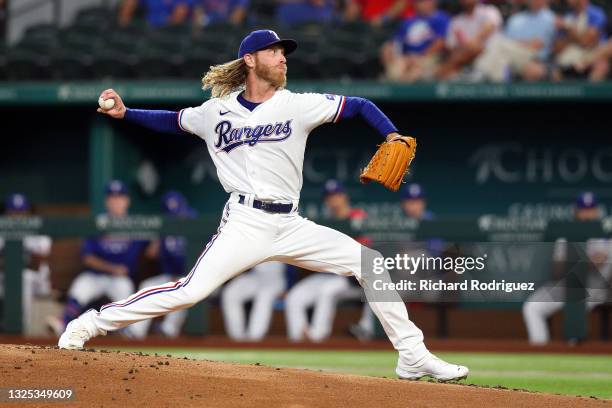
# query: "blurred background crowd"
(396, 40)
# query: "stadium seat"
(87, 30)
(334, 64)
(343, 41)
(304, 66)
(171, 42)
(208, 43)
(305, 29)
(366, 65)
(25, 65)
(355, 28)
(382, 34)
(221, 29)
(41, 31)
(78, 43)
(158, 65)
(96, 15)
(195, 66)
(123, 41)
(41, 39)
(68, 67)
(95, 22)
(108, 64)
(307, 43)
(3, 66)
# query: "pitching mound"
(106, 379)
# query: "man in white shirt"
(468, 35)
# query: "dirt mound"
(107, 379)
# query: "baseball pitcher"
(256, 133)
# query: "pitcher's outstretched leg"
(214, 266)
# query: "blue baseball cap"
(333, 187)
(175, 203)
(116, 187)
(586, 200)
(412, 192)
(16, 202)
(260, 39)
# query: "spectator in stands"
(415, 50)
(582, 31)
(378, 12)
(209, 12)
(468, 35)
(550, 298)
(35, 276)
(158, 12)
(523, 49)
(262, 286)
(296, 12)
(171, 253)
(110, 262)
(322, 291)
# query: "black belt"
(277, 208)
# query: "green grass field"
(586, 375)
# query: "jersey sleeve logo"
(229, 138)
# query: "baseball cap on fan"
(116, 188)
(261, 39)
(586, 200)
(16, 202)
(174, 203)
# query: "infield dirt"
(109, 379)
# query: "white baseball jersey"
(261, 152)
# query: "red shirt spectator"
(379, 11)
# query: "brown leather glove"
(391, 162)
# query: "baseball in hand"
(106, 104)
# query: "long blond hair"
(224, 79)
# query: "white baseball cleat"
(75, 336)
(433, 367)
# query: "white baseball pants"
(173, 322)
(322, 292)
(247, 237)
(263, 285)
